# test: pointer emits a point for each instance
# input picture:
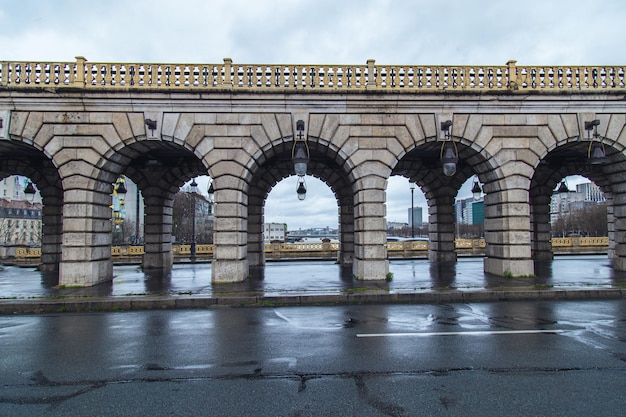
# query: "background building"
(12, 188)
(20, 215)
(396, 225)
(20, 223)
(417, 217)
(133, 212)
(274, 231)
(469, 211)
(586, 194)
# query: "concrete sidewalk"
(26, 291)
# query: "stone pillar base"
(345, 258)
(618, 263)
(48, 267)
(439, 256)
(543, 255)
(256, 259)
(157, 260)
(85, 274)
(370, 270)
(225, 271)
(509, 267)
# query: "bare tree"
(182, 215)
(585, 221)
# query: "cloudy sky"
(462, 32)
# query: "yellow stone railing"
(579, 241)
(407, 246)
(27, 252)
(201, 249)
(594, 241)
(245, 77)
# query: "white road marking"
(467, 333)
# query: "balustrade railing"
(558, 243)
(251, 77)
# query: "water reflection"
(49, 279)
(319, 277)
(158, 280)
(443, 275)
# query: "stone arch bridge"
(75, 127)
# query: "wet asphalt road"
(506, 358)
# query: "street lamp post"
(412, 186)
(194, 188)
(137, 240)
(30, 191)
(118, 212)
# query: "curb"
(130, 303)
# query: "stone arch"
(273, 163)
(422, 165)
(568, 155)
(76, 143)
(277, 166)
(159, 168)
(19, 158)
(367, 146)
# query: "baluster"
(261, 78)
(27, 73)
(323, 72)
(17, 73)
(46, 74)
(67, 74)
(91, 74)
(177, 74)
(185, 76)
(123, 75)
(359, 77)
(275, 71)
(56, 76)
(285, 76)
(328, 78)
(196, 76)
(248, 74)
(167, 75)
(154, 74)
(258, 77)
(611, 76)
(103, 73)
(594, 77)
(336, 77)
(141, 74)
(602, 76)
(37, 74)
(267, 77)
(111, 74)
(205, 76)
(429, 77)
(405, 77)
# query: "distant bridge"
(321, 250)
